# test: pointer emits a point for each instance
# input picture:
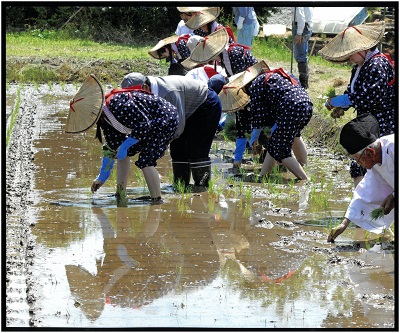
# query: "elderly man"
(199, 110)
(360, 137)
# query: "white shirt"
(182, 29)
(303, 15)
(376, 185)
(199, 73)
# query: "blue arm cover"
(240, 148)
(274, 128)
(341, 101)
(105, 170)
(255, 135)
(123, 148)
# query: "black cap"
(359, 133)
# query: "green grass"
(54, 45)
(13, 117)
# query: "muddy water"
(243, 255)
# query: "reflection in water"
(243, 255)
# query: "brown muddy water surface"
(242, 255)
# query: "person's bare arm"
(338, 230)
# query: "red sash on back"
(210, 71)
(114, 91)
(281, 72)
(389, 58)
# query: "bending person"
(360, 137)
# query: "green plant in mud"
(180, 187)
(331, 92)
(13, 116)
(122, 200)
(216, 146)
(183, 205)
(140, 177)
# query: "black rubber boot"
(201, 172)
(181, 171)
(303, 74)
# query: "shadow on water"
(242, 255)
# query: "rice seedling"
(247, 211)
(248, 194)
(50, 84)
(377, 213)
(183, 205)
(180, 186)
(216, 145)
(140, 177)
(122, 200)
(331, 92)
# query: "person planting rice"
(203, 23)
(360, 137)
(132, 122)
(371, 88)
(276, 98)
(199, 109)
(234, 59)
(174, 50)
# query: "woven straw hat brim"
(189, 64)
(253, 71)
(162, 43)
(190, 9)
(207, 49)
(352, 40)
(232, 97)
(86, 106)
(203, 17)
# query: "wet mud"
(241, 255)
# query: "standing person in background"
(247, 25)
(302, 30)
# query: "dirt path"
(19, 241)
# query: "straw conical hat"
(253, 71)
(352, 40)
(162, 43)
(190, 9)
(207, 48)
(232, 97)
(85, 108)
(203, 17)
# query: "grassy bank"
(26, 51)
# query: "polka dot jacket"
(239, 58)
(152, 119)
(281, 102)
(373, 93)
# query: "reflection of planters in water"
(141, 267)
